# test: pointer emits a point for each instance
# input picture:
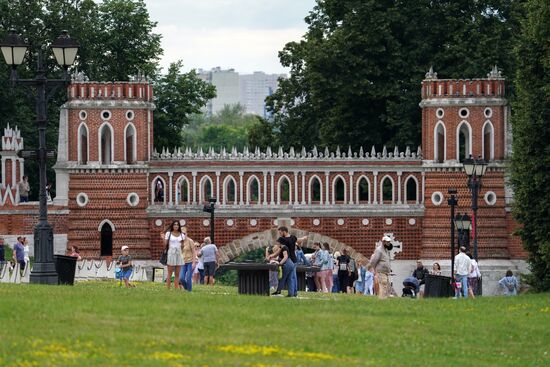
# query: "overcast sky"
(242, 34)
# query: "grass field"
(100, 324)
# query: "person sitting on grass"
(124, 262)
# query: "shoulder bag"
(164, 256)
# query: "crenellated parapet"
(298, 155)
(137, 89)
(12, 140)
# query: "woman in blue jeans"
(287, 267)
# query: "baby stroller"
(410, 287)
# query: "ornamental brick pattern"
(108, 172)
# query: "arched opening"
(387, 195)
(440, 148)
(363, 189)
(83, 144)
(206, 189)
(283, 189)
(130, 143)
(411, 190)
(230, 196)
(338, 190)
(106, 144)
(488, 141)
(159, 190)
(253, 190)
(182, 192)
(464, 141)
(315, 190)
(106, 240)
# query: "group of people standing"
(20, 254)
(186, 257)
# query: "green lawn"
(100, 324)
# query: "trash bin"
(65, 267)
(438, 286)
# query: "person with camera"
(380, 261)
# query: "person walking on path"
(209, 254)
(380, 261)
(462, 268)
(173, 240)
(473, 277)
(125, 263)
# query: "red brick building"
(109, 179)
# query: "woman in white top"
(173, 240)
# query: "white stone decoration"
(183, 222)
(132, 199)
(412, 221)
(105, 115)
(206, 222)
(340, 221)
(158, 222)
(389, 221)
(275, 222)
(253, 222)
(440, 112)
(229, 222)
(437, 198)
(488, 112)
(464, 112)
(82, 199)
(83, 115)
(490, 198)
(130, 115)
(292, 222)
(365, 222)
(316, 222)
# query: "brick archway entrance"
(257, 240)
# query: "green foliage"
(96, 324)
(229, 277)
(531, 128)
(355, 77)
(177, 96)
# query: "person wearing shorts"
(209, 255)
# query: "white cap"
(124, 248)
(386, 238)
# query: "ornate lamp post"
(463, 225)
(453, 201)
(210, 209)
(64, 49)
(475, 169)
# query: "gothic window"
(284, 190)
(230, 191)
(83, 144)
(183, 191)
(159, 190)
(315, 190)
(411, 190)
(387, 190)
(439, 143)
(339, 193)
(106, 144)
(363, 191)
(206, 189)
(253, 190)
(130, 144)
(106, 240)
(488, 141)
(464, 142)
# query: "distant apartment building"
(249, 90)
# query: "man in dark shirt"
(290, 242)
(2, 251)
(19, 253)
(420, 273)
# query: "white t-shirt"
(175, 241)
(462, 264)
(475, 270)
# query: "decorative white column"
(218, 173)
(350, 201)
(194, 187)
(265, 187)
(170, 190)
(303, 188)
(375, 184)
(399, 188)
(241, 174)
(272, 188)
(327, 196)
(423, 186)
(296, 201)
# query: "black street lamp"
(475, 169)
(453, 201)
(463, 225)
(210, 209)
(64, 49)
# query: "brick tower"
(105, 144)
(462, 118)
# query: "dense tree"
(355, 77)
(531, 152)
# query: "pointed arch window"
(315, 190)
(253, 192)
(206, 189)
(83, 144)
(159, 190)
(363, 188)
(488, 141)
(182, 193)
(387, 195)
(106, 144)
(464, 141)
(339, 190)
(440, 147)
(284, 190)
(230, 196)
(106, 239)
(130, 144)
(411, 190)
